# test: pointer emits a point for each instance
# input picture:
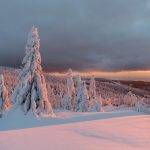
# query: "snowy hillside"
(119, 130)
(111, 91)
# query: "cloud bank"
(97, 35)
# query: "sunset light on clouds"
(123, 75)
(108, 37)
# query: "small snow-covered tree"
(99, 104)
(51, 96)
(79, 92)
(95, 103)
(139, 106)
(4, 101)
(70, 89)
(92, 95)
(130, 99)
(82, 97)
(92, 88)
(85, 98)
(69, 98)
(31, 91)
(70, 84)
(66, 101)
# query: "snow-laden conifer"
(65, 101)
(99, 104)
(130, 99)
(82, 97)
(78, 92)
(4, 101)
(85, 98)
(95, 103)
(70, 85)
(92, 88)
(71, 92)
(68, 99)
(92, 95)
(31, 91)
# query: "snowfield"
(117, 130)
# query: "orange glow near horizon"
(122, 75)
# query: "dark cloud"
(97, 35)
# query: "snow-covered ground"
(117, 130)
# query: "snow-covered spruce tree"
(51, 96)
(99, 104)
(79, 92)
(69, 98)
(139, 106)
(85, 98)
(66, 102)
(94, 103)
(4, 101)
(92, 89)
(31, 92)
(92, 95)
(130, 99)
(70, 84)
(82, 97)
(71, 93)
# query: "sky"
(85, 35)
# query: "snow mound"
(16, 119)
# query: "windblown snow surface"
(116, 130)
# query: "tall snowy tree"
(92, 93)
(68, 99)
(79, 92)
(92, 88)
(31, 92)
(4, 101)
(82, 95)
(95, 103)
(70, 84)
(85, 98)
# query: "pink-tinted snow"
(128, 132)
